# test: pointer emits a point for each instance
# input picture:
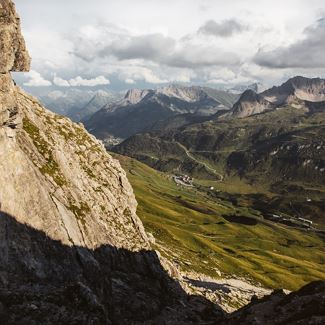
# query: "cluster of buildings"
(294, 221)
(184, 180)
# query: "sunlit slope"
(206, 234)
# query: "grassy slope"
(189, 228)
(273, 161)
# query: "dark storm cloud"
(306, 53)
(226, 28)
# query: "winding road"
(189, 155)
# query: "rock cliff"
(72, 249)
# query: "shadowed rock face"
(43, 281)
(306, 306)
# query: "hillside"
(279, 152)
(217, 238)
(141, 109)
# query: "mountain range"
(256, 86)
(75, 103)
(274, 140)
(298, 92)
(139, 110)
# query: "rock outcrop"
(14, 57)
(72, 249)
(306, 306)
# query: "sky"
(121, 44)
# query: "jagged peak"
(249, 94)
(136, 95)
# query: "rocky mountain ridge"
(297, 91)
(258, 87)
(75, 103)
(139, 110)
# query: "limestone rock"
(14, 55)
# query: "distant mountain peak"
(250, 103)
(140, 109)
(297, 89)
(134, 96)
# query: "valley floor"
(225, 250)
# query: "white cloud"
(157, 48)
(81, 82)
(36, 80)
(98, 81)
(305, 53)
(60, 82)
(139, 73)
(226, 28)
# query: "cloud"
(98, 81)
(152, 47)
(60, 82)
(36, 80)
(198, 56)
(305, 53)
(131, 74)
(226, 28)
(81, 82)
(156, 48)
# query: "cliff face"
(14, 57)
(72, 249)
(53, 170)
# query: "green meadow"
(213, 236)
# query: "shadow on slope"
(43, 281)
